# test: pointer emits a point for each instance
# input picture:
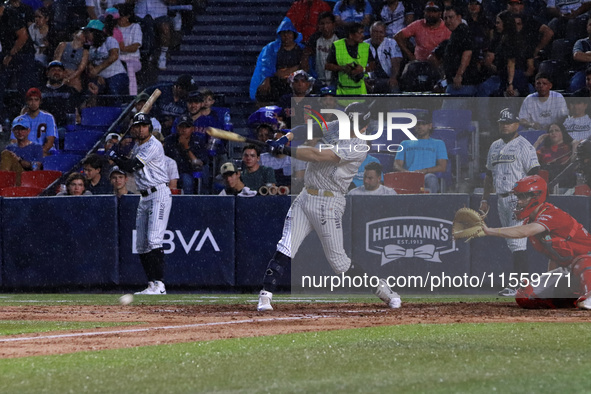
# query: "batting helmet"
(534, 187)
(363, 113)
(142, 118)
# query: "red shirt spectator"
(304, 15)
(426, 37)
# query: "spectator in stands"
(539, 110)
(293, 111)
(305, 15)
(328, 99)
(154, 19)
(426, 155)
(358, 178)
(118, 179)
(17, 59)
(189, 153)
(23, 155)
(371, 183)
(536, 34)
(24, 11)
(111, 140)
(568, 18)
(233, 185)
(427, 33)
(510, 57)
(94, 170)
(395, 17)
(104, 60)
(319, 45)
(578, 123)
(59, 99)
(130, 47)
(353, 11)
(349, 58)
(387, 58)
(74, 56)
(582, 58)
(75, 186)
(110, 18)
(481, 28)
(42, 123)
(206, 116)
(276, 62)
(140, 100)
(96, 8)
(255, 174)
(195, 103)
(39, 33)
(264, 132)
(555, 150)
(172, 169)
(171, 104)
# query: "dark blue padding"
(60, 241)
(61, 162)
(82, 140)
(259, 222)
(99, 116)
(195, 223)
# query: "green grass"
(13, 327)
(471, 358)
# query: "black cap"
(185, 119)
(142, 118)
(431, 5)
(196, 96)
(507, 116)
(423, 116)
(55, 63)
(364, 114)
(186, 82)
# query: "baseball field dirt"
(168, 324)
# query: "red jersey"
(564, 238)
(304, 16)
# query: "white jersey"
(322, 48)
(380, 191)
(387, 50)
(510, 162)
(578, 128)
(545, 113)
(151, 154)
(394, 20)
(336, 177)
(171, 168)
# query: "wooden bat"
(148, 105)
(231, 136)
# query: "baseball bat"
(148, 105)
(231, 136)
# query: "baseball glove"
(468, 224)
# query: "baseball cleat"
(508, 292)
(386, 294)
(265, 298)
(584, 302)
(159, 287)
(148, 290)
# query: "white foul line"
(221, 323)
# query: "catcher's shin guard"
(275, 270)
(581, 269)
(527, 299)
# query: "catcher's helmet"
(142, 118)
(533, 186)
(363, 111)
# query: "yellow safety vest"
(346, 85)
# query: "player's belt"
(321, 193)
(503, 195)
(147, 192)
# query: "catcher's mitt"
(468, 224)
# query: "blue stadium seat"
(531, 135)
(81, 141)
(454, 145)
(61, 162)
(457, 119)
(99, 116)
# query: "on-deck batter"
(148, 164)
(510, 158)
(321, 204)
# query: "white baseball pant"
(152, 219)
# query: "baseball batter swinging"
(510, 158)
(321, 204)
(147, 162)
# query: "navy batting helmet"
(363, 113)
(142, 118)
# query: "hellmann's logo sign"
(398, 238)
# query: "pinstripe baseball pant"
(152, 219)
(506, 205)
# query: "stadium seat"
(457, 119)
(531, 135)
(457, 148)
(7, 178)
(386, 160)
(40, 179)
(405, 182)
(99, 116)
(61, 162)
(562, 49)
(582, 190)
(81, 141)
(20, 191)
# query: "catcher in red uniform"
(557, 235)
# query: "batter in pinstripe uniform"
(147, 164)
(510, 158)
(321, 204)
